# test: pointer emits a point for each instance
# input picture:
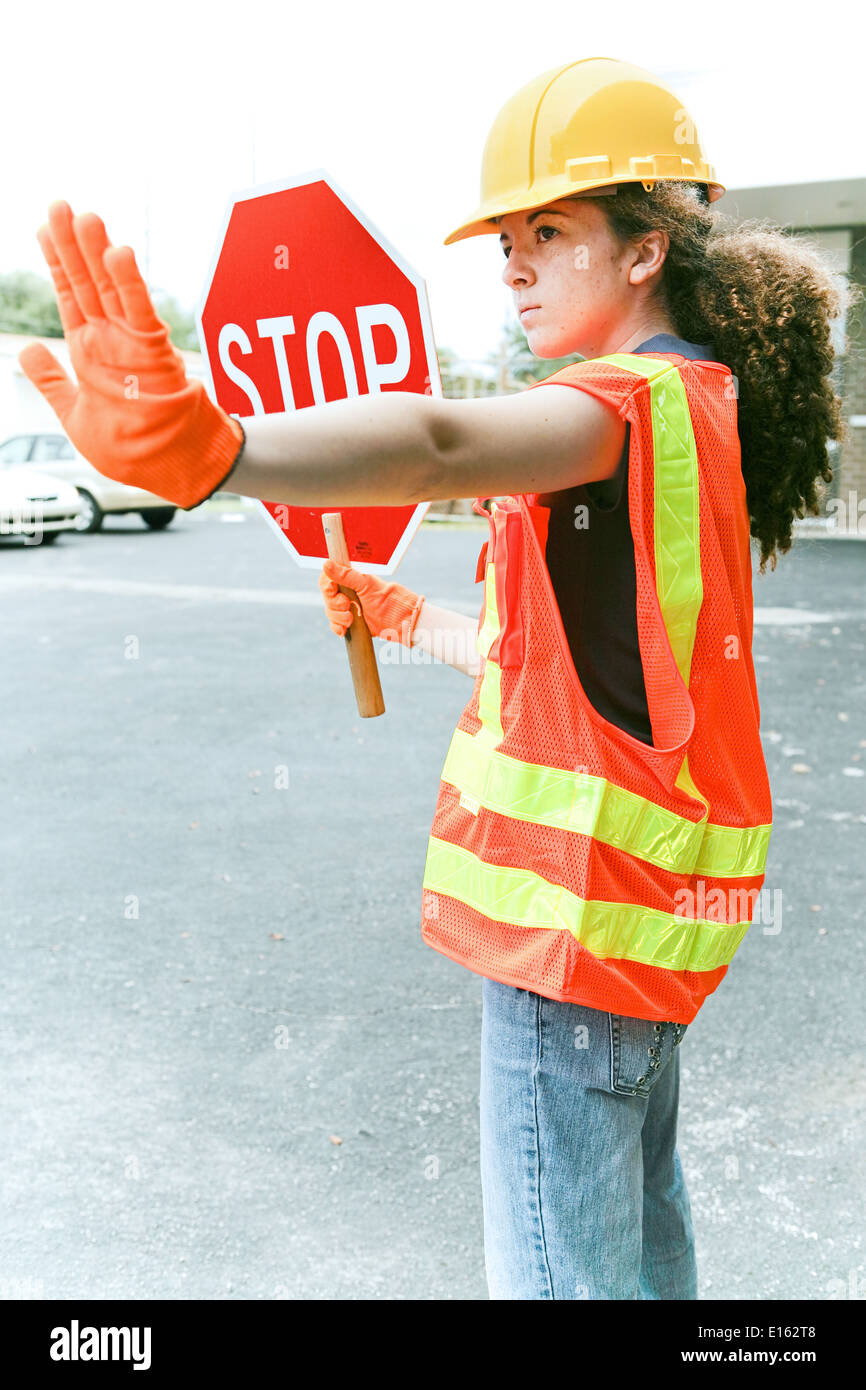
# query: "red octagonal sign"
(306, 303)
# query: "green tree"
(447, 357)
(180, 321)
(27, 305)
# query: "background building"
(833, 215)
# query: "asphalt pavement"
(231, 1067)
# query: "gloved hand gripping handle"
(359, 643)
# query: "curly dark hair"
(764, 298)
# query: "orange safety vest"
(567, 857)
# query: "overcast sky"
(117, 106)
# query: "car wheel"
(91, 516)
(157, 518)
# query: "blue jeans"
(583, 1192)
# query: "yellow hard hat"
(593, 123)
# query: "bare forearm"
(448, 637)
(361, 451)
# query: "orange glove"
(390, 610)
(134, 414)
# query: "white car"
(36, 506)
(100, 496)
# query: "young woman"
(603, 814)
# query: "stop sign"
(306, 303)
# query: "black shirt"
(592, 569)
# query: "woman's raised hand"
(134, 413)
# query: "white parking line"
(201, 593)
(792, 617)
(206, 593)
(212, 593)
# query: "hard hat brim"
(481, 223)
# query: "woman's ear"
(649, 256)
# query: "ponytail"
(764, 299)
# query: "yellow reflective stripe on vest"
(490, 627)
(676, 520)
(677, 516)
(612, 931)
(490, 690)
(590, 805)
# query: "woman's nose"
(515, 271)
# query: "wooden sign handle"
(359, 643)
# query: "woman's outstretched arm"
(362, 451)
(137, 417)
(448, 637)
(401, 447)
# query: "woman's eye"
(545, 227)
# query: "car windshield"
(15, 450)
(50, 447)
